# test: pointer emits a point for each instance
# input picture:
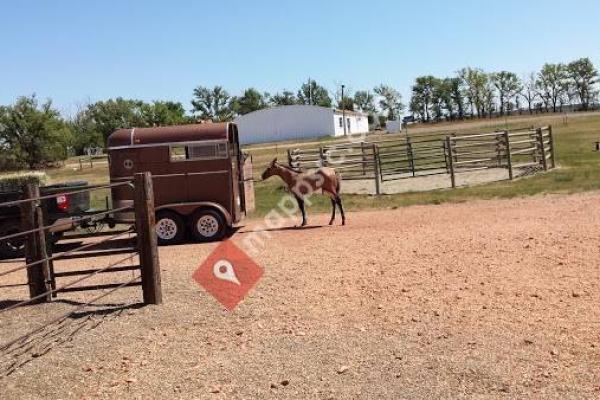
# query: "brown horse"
(302, 184)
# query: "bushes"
(13, 182)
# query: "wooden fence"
(43, 270)
(404, 156)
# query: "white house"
(298, 122)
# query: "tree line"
(473, 92)
(216, 103)
(33, 134)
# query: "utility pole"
(309, 93)
(343, 111)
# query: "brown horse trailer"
(202, 181)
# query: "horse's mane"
(289, 168)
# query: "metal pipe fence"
(41, 265)
(404, 157)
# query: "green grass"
(98, 174)
(579, 168)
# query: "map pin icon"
(224, 270)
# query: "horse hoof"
(330, 222)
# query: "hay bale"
(14, 182)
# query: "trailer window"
(178, 153)
(199, 152)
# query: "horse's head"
(271, 169)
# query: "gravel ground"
(486, 299)
(403, 183)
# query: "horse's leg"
(338, 200)
(301, 207)
(332, 211)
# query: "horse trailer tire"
(208, 225)
(170, 228)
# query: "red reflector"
(62, 202)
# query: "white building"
(298, 122)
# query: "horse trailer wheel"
(208, 225)
(170, 228)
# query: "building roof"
(168, 134)
(296, 106)
(348, 112)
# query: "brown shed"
(198, 177)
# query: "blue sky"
(80, 51)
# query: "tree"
(251, 100)
(455, 91)
(285, 98)
(116, 113)
(529, 92)
(314, 94)
(475, 81)
(508, 85)
(213, 104)
(34, 134)
(161, 113)
(364, 101)
(441, 103)
(93, 124)
(85, 131)
(346, 103)
(551, 84)
(488, 97)
(584, 76)
(390, 101)
(423, 97)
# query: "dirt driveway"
(487, 299)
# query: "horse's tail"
(338, 183)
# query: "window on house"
(341, 122)
(210, 151)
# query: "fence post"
(376, 169)
(364, 158)
(499, 147)
(322, 161)
(289, 155)
(411, 156)
(508, 155)
(540, 134)
(444, 144)
(552, 150)
(35, 244)
(146, 238)
(451, 160)
(533, 138)
(453, 134)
